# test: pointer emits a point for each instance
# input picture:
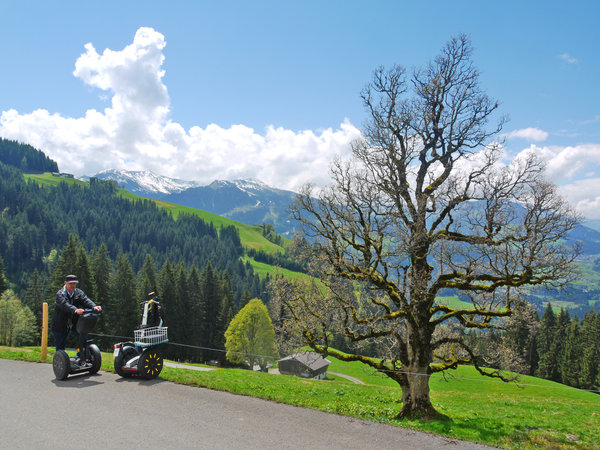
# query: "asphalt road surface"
(106, 411)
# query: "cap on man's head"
(71, 279)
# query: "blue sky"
(270, 89)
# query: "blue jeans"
(60, 339)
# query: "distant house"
(62, 175)
(306, 365)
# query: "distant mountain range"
(144, 183)
(248, 201)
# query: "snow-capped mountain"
(248, 201)
(145, 183)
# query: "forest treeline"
(25, 157)
(198, 304)
(557, 346)
(37, 220)
(121, 250)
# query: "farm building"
(306, 365)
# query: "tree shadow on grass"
(475, 430)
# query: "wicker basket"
(146, 337)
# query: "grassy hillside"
(262, 269)
(534, 413)
(251, 236)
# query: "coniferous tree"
(590, 345)
(84, 273)
(101, 268)
(244, 299)
(147, 281)
(122, 314)
(180, 311)
(570, 358)
(167, 290)
(212, 331)
(66, 264)
(167, 296)
(563, 322)
(34, 297)
(197, 311)
(228, 304)
(547, 364)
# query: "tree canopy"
(250, 338)
(425, 204)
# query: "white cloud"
(567, 163)
(136, 133)
(567, 58)
(584, 195)
(530, 134)
(574, 168)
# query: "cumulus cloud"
(576, 170)
(584, 195)
(530, 134)
(136, 132)
(567, 163)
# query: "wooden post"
(44, 331)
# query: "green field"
(534, 413)
(262, 269)
(453, 302)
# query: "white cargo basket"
(150, 336)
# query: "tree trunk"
(415, 395)
(414, 382)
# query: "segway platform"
(63, 365)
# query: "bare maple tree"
(425, 204)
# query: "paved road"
(37, 411)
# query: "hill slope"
(250, 235)
(248, 201)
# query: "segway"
(142, 357)
(88, 359)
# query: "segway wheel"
(95, 357)
(127, 352)
(61, 365)
(150, 363)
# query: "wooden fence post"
(44, 331)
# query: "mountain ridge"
(247, 200)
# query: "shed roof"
(310, 359)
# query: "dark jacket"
(64, 308)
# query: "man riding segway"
(70, 308)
